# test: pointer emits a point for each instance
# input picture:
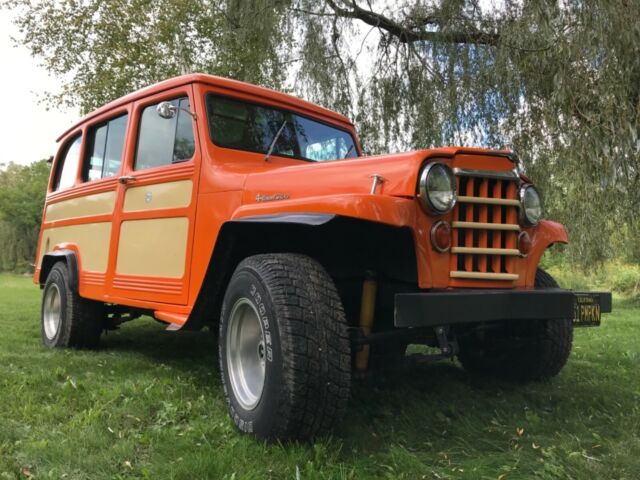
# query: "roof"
(221, 82)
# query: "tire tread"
(314, 342)
(547, 349)
(82, 321)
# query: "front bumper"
(430, 309)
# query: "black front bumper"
(439, 308)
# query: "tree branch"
(410, 35)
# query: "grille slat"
(484, 276)
(488, 201)
(485, 228)
(486, 251)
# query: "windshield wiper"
(267, 157)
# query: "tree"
(22, 193)
(557, 81)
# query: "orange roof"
(233, 85)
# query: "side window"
(165, 141)
(104, 152)
(68, 167)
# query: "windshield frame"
(285, 111)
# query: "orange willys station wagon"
(207, 202)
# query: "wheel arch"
(545, 235)
(69, 257)
(330, 239)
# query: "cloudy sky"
(28, 131)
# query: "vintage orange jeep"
(203, 201)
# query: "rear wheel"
(520, 351)
(68, 320)
(284, 348)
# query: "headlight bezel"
(423, 193)
(524, 217)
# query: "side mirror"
(166, 110)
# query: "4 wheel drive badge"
(148, 197)
(269, 198)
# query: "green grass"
(149, 405)
(623, 279)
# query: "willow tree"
(559, 82)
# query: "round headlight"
(437, 188)
(531, 205)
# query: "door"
(155, 210)
(82, 197)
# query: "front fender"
(395, 211)
(543, 235)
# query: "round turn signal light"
(524, 243)
(441, 236)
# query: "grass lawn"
(149, 405)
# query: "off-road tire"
(81, 320)
(308, 364)
(519, 351)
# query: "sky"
(28, 131)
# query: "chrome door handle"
(126, 179)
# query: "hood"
(354, 176)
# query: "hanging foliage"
(559, 82)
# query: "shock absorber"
(367, 313)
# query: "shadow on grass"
(408, 405)
(183, 349)
(194, 352)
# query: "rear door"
(155, 211)
(81, 203)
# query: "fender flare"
(64, 255)
(390, 210)
(545, 234)
(310, 219)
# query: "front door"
(155, 211)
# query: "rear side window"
(163, 141)
(68, 167)
(104, 152)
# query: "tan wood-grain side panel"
(91, 239)
(157, 196)
(155, 247)
(96, 204)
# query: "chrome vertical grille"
(485, 226)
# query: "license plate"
(587, 310)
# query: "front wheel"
(521, 351)
(284, 349)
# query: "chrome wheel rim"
(52, 311)
(246, 353)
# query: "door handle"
(126, 179)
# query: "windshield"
(247, 126)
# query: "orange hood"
(354, 176)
